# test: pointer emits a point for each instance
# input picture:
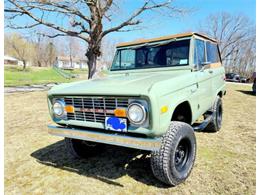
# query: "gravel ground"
(37, 163)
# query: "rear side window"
(212, 52)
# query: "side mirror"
(205, 63)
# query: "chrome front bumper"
(150, 144)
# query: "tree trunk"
(92, 63)
(39, 64)
(24, 64)
(92, 54)
(71, 66)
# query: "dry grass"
(37, 163)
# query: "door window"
(199, 53)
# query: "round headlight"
(136, 113)
(58, 107)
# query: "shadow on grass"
(246, 92)
(114, 162)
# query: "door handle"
(210, 71)
(194, 88)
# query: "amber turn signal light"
(69, 109)
(120, 112)
(164, 109)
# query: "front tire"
(173, 163)
(82, 149)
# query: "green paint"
(168, 86)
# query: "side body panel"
(171, 94)
(218, 81)
(204, 94)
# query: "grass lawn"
(38, 163)
(15, 76)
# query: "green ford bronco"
(151, 99)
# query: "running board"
(203, 125)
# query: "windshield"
(175, 53)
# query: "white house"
(8, 60)
(67, 62)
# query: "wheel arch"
(221, 91)
(183, 108)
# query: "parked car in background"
(244, 80)
(232, 77)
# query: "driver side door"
(203, 76)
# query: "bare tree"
(245, 59)
(87, 19)
(72, 48)
(38, 48)
(18, 47)
(50, 54)
(45, 50)
(235, 33)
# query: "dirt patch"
(37, 163)
(29, 88)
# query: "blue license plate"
(116, 124)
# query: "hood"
(121, 84)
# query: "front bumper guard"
(150, 144)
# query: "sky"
(157, 25)
(200, 9)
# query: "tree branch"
(131, 20)
(23, 11)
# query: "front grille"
(94, 109)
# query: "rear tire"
(82, 149)
(173, 163)
(217, 111)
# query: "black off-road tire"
(166, 164)
(82, 149)
(217, 111)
